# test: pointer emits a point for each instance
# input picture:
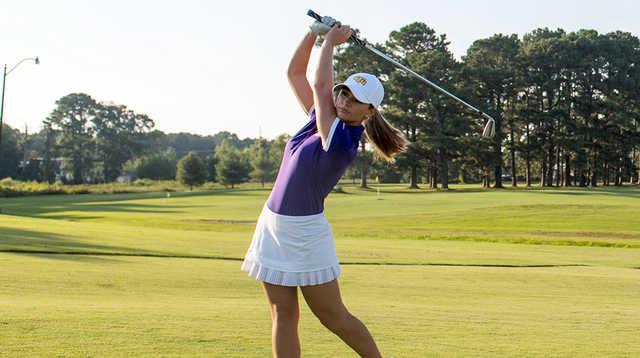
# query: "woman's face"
(349, 109)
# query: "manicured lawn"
(459, 273)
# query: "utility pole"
(4, 81)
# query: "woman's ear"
(372, 111)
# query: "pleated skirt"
(292, 250)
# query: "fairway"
(467, 272)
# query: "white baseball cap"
(365, 87)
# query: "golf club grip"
(353, 37)
(314, 15)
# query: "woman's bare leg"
(326, 303)
(284, 316)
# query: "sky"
(207, 66)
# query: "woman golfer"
(293, 244)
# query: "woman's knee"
(335, 320)
(284, 314)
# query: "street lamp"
(36, 60)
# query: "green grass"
(460, 273)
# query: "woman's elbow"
(294, 70)
(320, 85)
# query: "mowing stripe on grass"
(528, 241)
(40, 252)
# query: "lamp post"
(36, 60)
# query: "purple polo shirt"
(308, 171)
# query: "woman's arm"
(323, 81)
(297, 72)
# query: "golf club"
(489, 129)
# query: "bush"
(7, 182)
(13, 188)
(143, 182)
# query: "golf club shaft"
(407, 69)
(369, 47)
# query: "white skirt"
(292, 250)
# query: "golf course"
(466, 273)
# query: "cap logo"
(360, 80)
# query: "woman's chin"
(351, 122)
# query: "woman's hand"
(322, 27)
(338, 34)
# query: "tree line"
(566, 105)
(85, 141)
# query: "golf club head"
(490, 128)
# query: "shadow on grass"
(49, 211)
(426, 190)
(460, 265)
(98, 259)
(373, 188)
(58, 247)
(624, 192)
(30, 242)
(38, 206)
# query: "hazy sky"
(206, 66)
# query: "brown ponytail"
(386, 139)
